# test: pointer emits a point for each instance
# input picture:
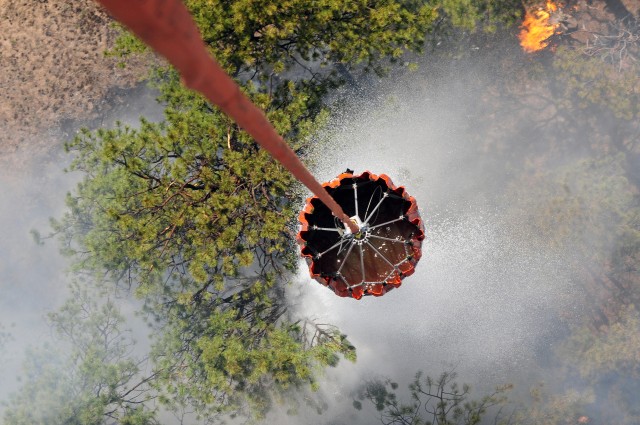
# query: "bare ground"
(53, 70)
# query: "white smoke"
(485, 297)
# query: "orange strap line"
(167, 27)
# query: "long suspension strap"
(167, 27)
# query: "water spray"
(169, 29)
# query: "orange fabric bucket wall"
(386, 247)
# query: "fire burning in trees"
(538, 27)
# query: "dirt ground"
(53, 70)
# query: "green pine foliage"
(262, 36)
(471, 15)
(174, 206)
(196, 219)
(589, 82)
(87, 376)
(440, 401)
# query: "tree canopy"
(439, 401)
(90, 375)
(197, 220)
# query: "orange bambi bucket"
(386, 247)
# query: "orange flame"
(536, 28)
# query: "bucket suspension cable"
(169, 29)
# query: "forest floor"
(54, 74)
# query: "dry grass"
(52, 68)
